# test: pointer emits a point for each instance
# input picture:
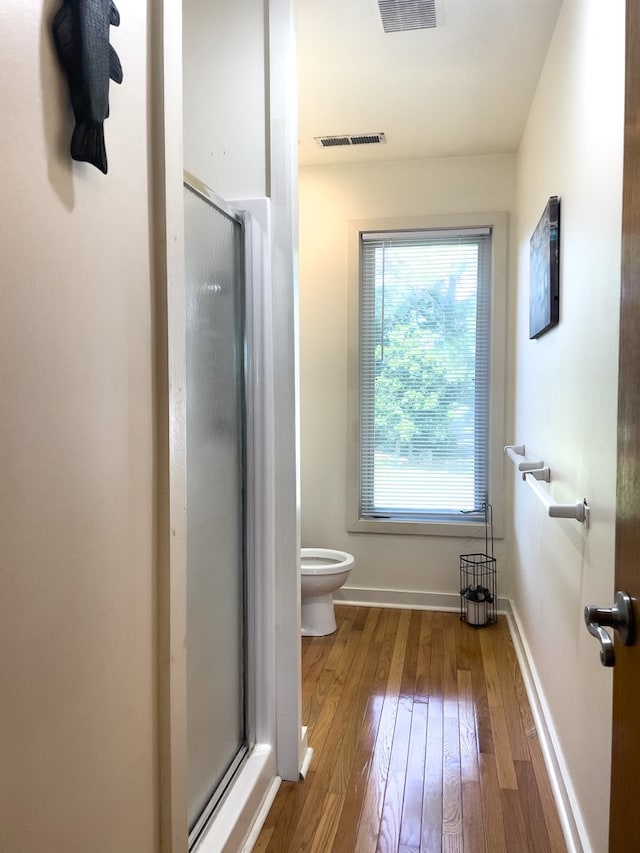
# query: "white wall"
(77, 587)
(329, 198)
(225, 95)
(566, 386)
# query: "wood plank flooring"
(423, 741)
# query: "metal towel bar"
(535, 471)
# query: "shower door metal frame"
(248, 486)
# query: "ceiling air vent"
(351, 139)
(400, 15)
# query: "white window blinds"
(424, 374)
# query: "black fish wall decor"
(81, 36)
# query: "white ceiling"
(462, 88)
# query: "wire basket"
(478, 580)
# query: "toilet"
(323, 571)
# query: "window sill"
(461, 529)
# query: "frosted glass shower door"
(216, 622)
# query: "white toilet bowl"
(323, 571)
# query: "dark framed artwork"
(544, 271)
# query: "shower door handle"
(619, 617)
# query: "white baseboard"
(573, 828)
(303, 748)
(406, 599)
(246, 804)
(304, 767)
(270, 795)
(261, 816)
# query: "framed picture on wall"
(544, 271)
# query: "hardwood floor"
(423, 741)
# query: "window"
(425, 306)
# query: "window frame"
(498, 223)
